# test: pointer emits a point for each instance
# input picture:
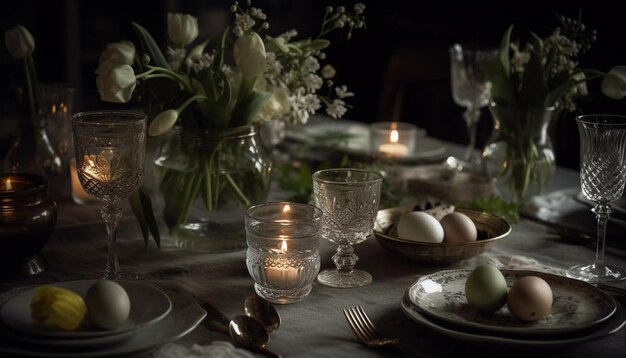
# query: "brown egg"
(530, 299)
(458, 227)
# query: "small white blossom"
(336, 109)
(265, 26)
(258, 13)
(238, 31)
(245, 22)
(359, 8)
(176, 56)
(198, 63)
(342, 92)
(311, 64)
(313, 82)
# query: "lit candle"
(280, 273)
(393, 148)
(79, 194)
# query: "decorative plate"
(148, 305)
(610, 326)
(576, 304)
(184, 316)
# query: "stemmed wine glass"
(602, 178)
(349, 201)
(470, 87)
(110, 149)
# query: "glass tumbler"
(283, 249)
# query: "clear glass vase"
(32, 152)
(519, 153)
(207, 182)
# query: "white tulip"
(614, 83)
(250, 56)
(182, 28)
(123, 52)
(19, 42)
(116, 82)
(163, 122)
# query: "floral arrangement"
(194, 90)
(273, 78)
(545, 72)
(529, 85)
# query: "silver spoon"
(263, 311)
(245, 330)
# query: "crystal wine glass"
(110, 149)
(470, 87)
(602, 178)
(349, 201)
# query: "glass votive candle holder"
(283, 249)
(392, 139)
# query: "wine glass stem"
(471, 117)
(111, 214)
(602, 212)
(345, 259)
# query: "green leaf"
(218, 60)
(274, 44)
(494, 204)
(504, 50)
(249, 108)
(319, 44)
(141, 205)
(498, 70)
(149, 46)
(534, 91)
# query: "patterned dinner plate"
(576, 304)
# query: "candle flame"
(63, 107)
(283, 246)
(8, 184)
(54, 109)
(393, 136)
(286, 208)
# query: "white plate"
(184, 316)
(148, 305)
(612, 325)
(577, 305)
(358, 141)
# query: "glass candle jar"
(27, 220)
(283, 249)
(392, 139)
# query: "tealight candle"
(281, 272)
(79, 194)
(283, 249)
(392, 139)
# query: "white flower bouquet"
(194, 90)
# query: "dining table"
(316, 326)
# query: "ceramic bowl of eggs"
(440, 235)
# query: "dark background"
(70, 34)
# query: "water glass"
(283, 249)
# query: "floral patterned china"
(148, 305)
(610, 326)
(577, 305)
(183, 317)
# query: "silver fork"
(364, 328)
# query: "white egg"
(419, 226)
(108, 305)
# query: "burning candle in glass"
(79, 194)
(283, 249)
(392, 139)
